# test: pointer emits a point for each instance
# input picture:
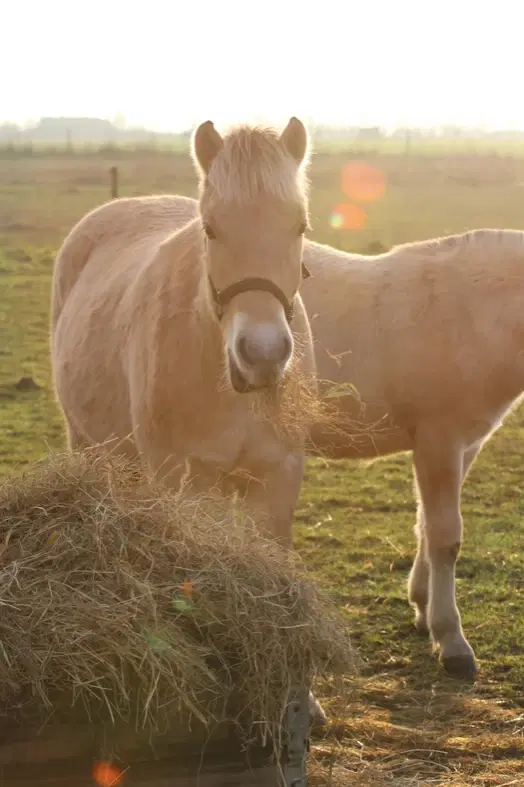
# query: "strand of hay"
(121, 601)
(297, 405)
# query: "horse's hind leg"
(439, 466)
(75, 440)
(418, 583)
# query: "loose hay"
(120, 601)
(298, 405)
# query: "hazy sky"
(171, 64)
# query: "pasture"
(407, 724)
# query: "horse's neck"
(187, 308)
(212, 340)
(207, 333)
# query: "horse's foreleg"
(270, 498)
(418, 583)
(439, 467)
(270, 495)
(75, 440)
(189, 477)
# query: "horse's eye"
(209, 232)
(302, 228)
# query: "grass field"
(407, 723)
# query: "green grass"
(354, 523)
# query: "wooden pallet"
(185, 755)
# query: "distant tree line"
(101, 132)
(80, 131)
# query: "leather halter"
(221, 298)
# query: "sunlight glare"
(347, 217)
(362, 182)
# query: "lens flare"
(362, 183)
(347, 217)
(187, 587)
(336, 220)
(106, 775)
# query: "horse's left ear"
(206, 144)
(295, 139)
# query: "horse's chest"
(237, 443)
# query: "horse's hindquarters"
(89, 383)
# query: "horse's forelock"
(252, 163)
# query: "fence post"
(295, 759)
(114, 182)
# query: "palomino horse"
(430, 336)
(161, 328)
(426, 335)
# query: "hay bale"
(121, 602)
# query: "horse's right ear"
(295, 139)
(206, 144)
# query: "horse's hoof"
(421, 627)
(317, 717)
(462, 667)
(318, 720)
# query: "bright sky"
(170, 64)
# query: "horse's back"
(117, 224)
(444, 303)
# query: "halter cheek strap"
(222, 298)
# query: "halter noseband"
(221, 298)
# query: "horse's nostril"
(244, 352)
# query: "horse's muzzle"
(268, 378)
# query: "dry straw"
(302, 402)
(120, 601)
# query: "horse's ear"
(206, 144)
(295, 139)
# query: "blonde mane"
(252, 162)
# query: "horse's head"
(254, 213)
